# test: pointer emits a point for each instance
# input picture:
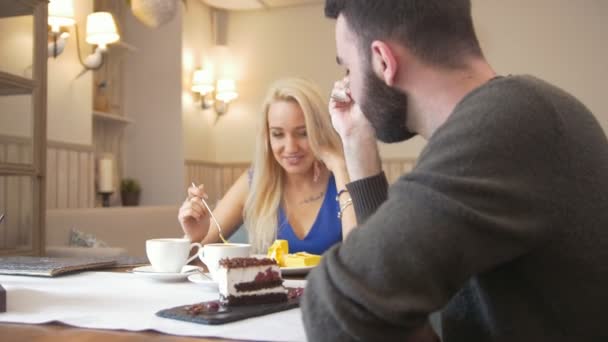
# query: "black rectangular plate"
(227, 313)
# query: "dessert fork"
(219, 228)
(340, 96)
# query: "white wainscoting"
(395, 167)
(70, 176)
(218, 177)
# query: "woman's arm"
(194, 217)
(349, 220)
(229, 210)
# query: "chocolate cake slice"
(244, 281)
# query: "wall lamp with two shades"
(216, 95)
(101, 31)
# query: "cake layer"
(256, 285)
(245, 262)
(244, 281)
(254, 299)
(254, 278)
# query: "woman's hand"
(193, 216)
(333, 160)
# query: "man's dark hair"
(439, 32)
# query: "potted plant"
(129, 192)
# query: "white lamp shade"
(226, 90)
(61, 13)
(101, 29)
(202, 81)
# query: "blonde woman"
(292, 191)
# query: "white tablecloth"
(109, 300)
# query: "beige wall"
(152, 98)
(558, 40)
(196, 45)
(69, 97)
(268, 45)
(16, 58)
(16, 48)
(561, 41)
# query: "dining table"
(118, 305)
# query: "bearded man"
(502, 224)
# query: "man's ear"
(384, 62)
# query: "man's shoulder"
(523, 103)
(511, 94)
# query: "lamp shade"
(61, 13)
(101, 29)
(202, 81)
(226, 90)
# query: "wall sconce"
(61, 16)
(217, 96)
(101, 31)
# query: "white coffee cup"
(212, 253)
(170, 255)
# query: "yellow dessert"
(301, 259)
(278, 250)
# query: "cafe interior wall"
(69, 97)
(560, 41)
(197, 43)
(152, 99)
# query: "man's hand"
(346, 116)
(357, 134)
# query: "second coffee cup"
(212, 253)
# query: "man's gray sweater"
(502, 225)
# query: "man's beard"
(385, 108)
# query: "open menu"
(50, 267)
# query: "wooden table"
(57, 332)
(63, 333)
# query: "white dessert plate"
(148, 272)
(296, 270)
(290, 270)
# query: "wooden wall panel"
(70, 176)
(62, 178)
(13, 211)
(218, 177)
(26, 212)
(51, 178)
(73, 175)
(394, 168)
(3, 210)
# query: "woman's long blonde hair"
(267, 184)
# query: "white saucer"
(289, 270)
(296, 270)
(203, 279)
(148, 272)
